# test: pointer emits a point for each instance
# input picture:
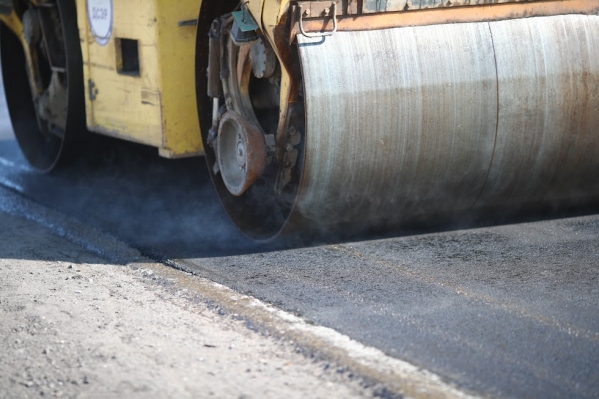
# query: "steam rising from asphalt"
(168, 209)
(164, 208)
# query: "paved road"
(74, 326)
(508, 310)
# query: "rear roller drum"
(43, 80)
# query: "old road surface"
(503, 309)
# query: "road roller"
(322, 116)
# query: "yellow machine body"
(156, 105)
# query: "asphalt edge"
(396, 377)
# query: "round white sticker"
(99, 14)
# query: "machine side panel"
(128, 107)
(176, 60)
(155, 104)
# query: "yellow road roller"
(322, 115)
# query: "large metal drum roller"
(410, 122)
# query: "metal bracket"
(245, 21)
(301, 11)
(188, 22)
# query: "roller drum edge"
(547, 148)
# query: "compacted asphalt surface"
(505, 309)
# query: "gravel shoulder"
(75, 326)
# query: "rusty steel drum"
(415, 121)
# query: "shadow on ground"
(168, 208)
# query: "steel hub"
(241, 153)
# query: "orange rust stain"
(446, 15)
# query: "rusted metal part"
(434, 16)
(547, 147)
(303, 11)
(372, 6)
(377, 6)
(329, 12)
(235, 79)
(291, 84)
(318, 9)
(275, 101)
(241, 152)
(250, 85)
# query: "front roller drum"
(413, 122)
